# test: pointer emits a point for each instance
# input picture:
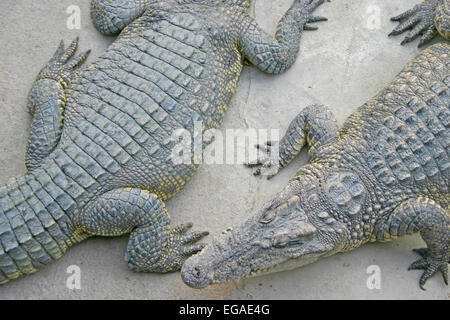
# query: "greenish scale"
(99, 152)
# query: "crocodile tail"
(34, 226)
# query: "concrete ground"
(343, 64)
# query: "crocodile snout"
(195, 274)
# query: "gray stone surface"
(342, 65)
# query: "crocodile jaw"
(257, 248)
(233, 256)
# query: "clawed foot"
(164, 253)
(267, 163)
(419, 20)
(306, 8)
(186, 242)
(430, 265)
(62, 65)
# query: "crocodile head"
(293, 229)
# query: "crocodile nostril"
(194, 274)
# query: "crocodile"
(426, 19)
(383, 174)
(100, 154)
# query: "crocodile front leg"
(276, 55)
(154, 246)
(426, 19)
(46, 102)
(112, 16)
(433, 222)
(314, 126)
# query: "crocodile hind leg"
(426, 19)
(433, 222)
(275, 55)
(315, 126)
(112, 16)
(154, 246)
(46, 102)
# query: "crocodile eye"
(268, 217)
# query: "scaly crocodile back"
(166, 72)
(405, 128)
(397, 145)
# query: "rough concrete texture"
(342, 65)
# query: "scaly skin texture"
(100, 147)
(383, 175)
(427, 19)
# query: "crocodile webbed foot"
(267, 162)
(176, 247)
(431, 266)
(314, 126)
(47, 100)
(154, 245)
(276, 54)
(306, 8)
(419, 20)
(63, 64)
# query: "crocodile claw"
(62, 65)
(430, 265)
(419, 21)
(306, 7)
(174, 247)
(266, 164)
(185, 244)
